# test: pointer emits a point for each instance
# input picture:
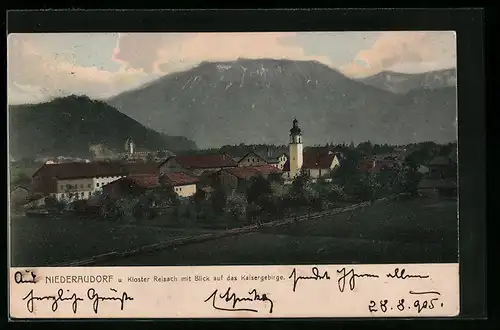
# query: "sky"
(101, 65)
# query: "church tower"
(296, 149)
(129, 146)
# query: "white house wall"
(81, 188)
(186, 190)
(99, 182)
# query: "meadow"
(414, 231)
(52, 240)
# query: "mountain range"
(72, 125)
(403, 83)
(254, 101)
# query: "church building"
(314, 163)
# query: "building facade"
(184, 185)
(75, 181)
(251, 159)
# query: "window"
(89, 185)
(248, 160)
(97, 184)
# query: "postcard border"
(468, 24)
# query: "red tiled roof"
(316, 161)
(179, 179)
(267, 169)
(205, 161)
(252, 171)
(313, 160)
(95, 169)
(145, 180)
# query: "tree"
(219, 200)
(356, 187)
(407, 179)
(20, 179)
(300, 190)
(365, 147)
(372, 185)
(165, 195)
(276, 178)
(259, 186)
(53, 203)
(347, 169)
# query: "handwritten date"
(430, 302)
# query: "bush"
(53, 203)
(218, 199)
(259, 186)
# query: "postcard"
(233, 175)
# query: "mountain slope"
(71, 125)
(403, 83)
(255, 101)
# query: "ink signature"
(18, 277)
(350, 276)
(93, 295)
(403, 276)
(316, 276)
(233, 300)
(31, 298)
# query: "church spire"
(295, 130)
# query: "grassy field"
(396, 232)
(418, 220)
(47, 241)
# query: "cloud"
(49, 74)
(168, 52)
(410, 52)
(42, 66)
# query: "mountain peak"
(401, 83)
(69, 125)
(251, 101)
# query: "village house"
(183, 184)
(441, 178)
(251, 159)
(278, 162)
(196, 165)
(315, 163)
(133, 185)
(379, 162)
(256, 156)
(237, 179)
(79, 180)
(19, 195)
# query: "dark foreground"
(49, 241)
(416, 231)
